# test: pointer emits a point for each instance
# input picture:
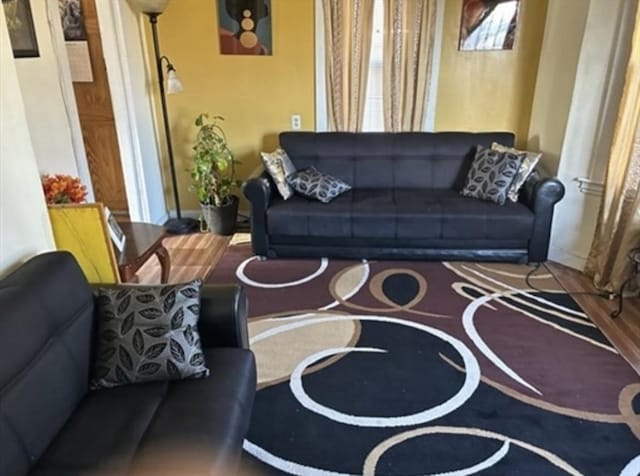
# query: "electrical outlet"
(296, 122)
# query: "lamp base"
(181, 226)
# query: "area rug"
(408, 368)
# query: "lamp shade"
(173, 83)
(149, 6)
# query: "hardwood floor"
(193, 256)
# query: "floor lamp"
(153, 9)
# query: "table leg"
(165, 263)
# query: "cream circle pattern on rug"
(240, 273)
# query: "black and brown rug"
(408, 368)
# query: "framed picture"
(72, 20)
(244, 27)
(488, 24)
(117, 235)
(21, 30)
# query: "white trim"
(589, 186)
(115, 58)
(322, 116)
(432, 95)
(562, 256)
(68, 96)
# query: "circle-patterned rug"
(408, 368)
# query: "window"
(373, 106)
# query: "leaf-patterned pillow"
(279, 166)
(313, 184)
(147, 333)
(492, 174)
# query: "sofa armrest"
(540, 193)
(223, 316)
(259, 191)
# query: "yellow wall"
(489, 90)
(256, 94)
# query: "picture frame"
(244, 27)
(22, 33)
(488, 25)
(117, 235)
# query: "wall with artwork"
(44, 104)
(24, 224)
(489, 85)
(255, 93)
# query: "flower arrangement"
(63, 189)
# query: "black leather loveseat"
(51, 424)
(405, 202)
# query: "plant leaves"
(156, 331)
(173, 370)
(151, 313)
(138, 342)
(155, 350)
(177, 319)
(176, 351)
(197, 359)
(149, 369)
(127, 324)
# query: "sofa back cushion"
(403, 160)
(46, 313)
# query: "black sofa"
(405, 202)
(51, 424)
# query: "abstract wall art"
(245, 27)
(488, 24)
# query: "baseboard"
(568, 259)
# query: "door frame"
(137, 182)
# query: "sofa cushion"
(316, 185)
(491, 175)
(179, 427)
(401, 214)
(407, 160)
(279, 166)
(45, 335)
(148, 333)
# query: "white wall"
(24, 223)
(44, 103)
(592, 116)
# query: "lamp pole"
(178, 225)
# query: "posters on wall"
(488, 24)
(22, 33)
(245, 27)
(75, 36)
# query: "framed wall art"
(22, 33)
(488, 24)
(244, 27)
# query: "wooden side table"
(143, 240)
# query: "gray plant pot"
(221, 220)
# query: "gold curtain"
(348, 30)
(408, 49)
(618, 229)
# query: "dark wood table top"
(142, 241)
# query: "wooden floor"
(194, 256)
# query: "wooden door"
(98, 124)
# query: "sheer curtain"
(348, 29)
(618, 229)
(408, 50)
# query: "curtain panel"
(618, 230)
(348, 30)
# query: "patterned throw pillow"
(526, 168)
(147, 333)
(279, 166)
(313, 184)
(491, 175)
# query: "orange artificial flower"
(63, 189)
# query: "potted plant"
(213, 176)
